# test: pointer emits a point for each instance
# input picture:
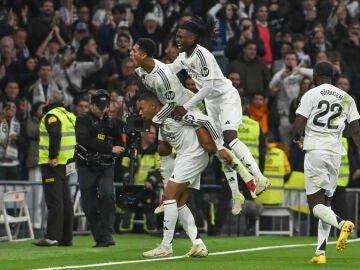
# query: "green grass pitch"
(226, 253)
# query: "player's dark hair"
(147, 96)
(324, 69)
(203, 32)
(147, 45)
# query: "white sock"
(327, 215)
(170, 219)
(231, 178)
(243, 153)
(323, 235)
(188, 222)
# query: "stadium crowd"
(267, 48)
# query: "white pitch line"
(181, 257)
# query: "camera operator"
(147, 175)
(99, 142)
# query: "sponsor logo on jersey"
(170, 95)
(227, 122)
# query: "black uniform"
(94, 159)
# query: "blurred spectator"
(298, 43)
(7, 59)
(305, 85)
(11, 93)
(259, 111)
(167, 13)
(83, 14)
(44, 87)
(279, 63)
(303, 15)
(106, 37)
(285, 86)
(138, 10)
(50, 47)
(42, 24)
(68, 12)
(245, 33)
(126, 73)
(343, 83)
(82, 105)
(21, 50)
(317, 43)
(32, 135)
(152, 29)
(236, 81)
(226, 20)
(26, 75)
(9, 24)
(70, 73)
(190, 84)
(349, 49)
(255, 75)
(265, 31)
(338, 24)
(320, 57)
(81, 31)
(103, 14)
(9, 142)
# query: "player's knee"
(206, 141)
(229, 136)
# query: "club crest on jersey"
(189, 118)
(204, 71)
(192, 65)
(169, 95)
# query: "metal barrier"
(298, 193)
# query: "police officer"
(99, 141)
(56, 152)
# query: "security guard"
(99, 141)
(56, 152)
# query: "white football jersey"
(181, 137)
(326, 108)
(162, 82)
(202, 66)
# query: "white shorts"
(321, 170)
(188, 169)
(225, 110)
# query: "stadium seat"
(278, 214)
(15, 200)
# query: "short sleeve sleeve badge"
(52, 119)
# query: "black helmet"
(101, 98)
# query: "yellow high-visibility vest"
(249, 134)
(274, 170)
(68, 139)
(147, 163)
(297, 199)
(344, 170)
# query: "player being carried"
(159, 79)
(191, 160)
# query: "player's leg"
(321, 172)
(167, 163)
(172, 194)
(230, 119)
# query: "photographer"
(99, 142)
(147, 175)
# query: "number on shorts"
(335, 109)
